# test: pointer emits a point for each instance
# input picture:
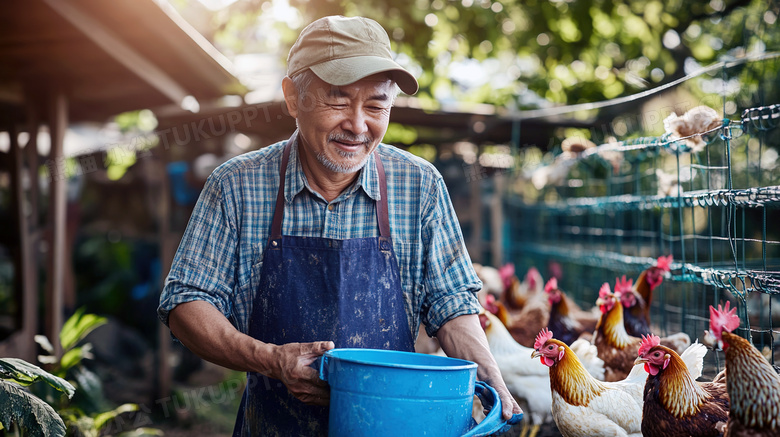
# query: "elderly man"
(329, 239)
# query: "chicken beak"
(640, 360)
(535, 354)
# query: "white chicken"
(528, 381)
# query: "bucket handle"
(322, 363)
(493, 423)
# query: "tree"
(521, 54)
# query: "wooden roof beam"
(115, 47)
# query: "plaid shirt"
(221, 253)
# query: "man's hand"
(293, 368)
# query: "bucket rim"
(458, 364)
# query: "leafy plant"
(87, 413)
(25, 410)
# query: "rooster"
(566, 317)
(616, 347)
(675, 404)
(584, 406)
(527, 381)
(637, 314)
(753, 385)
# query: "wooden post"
(55, 281)
(476, 219)
(497, 219)
(30, 323)
(164, 374)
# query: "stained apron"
(319, 289)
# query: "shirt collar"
(295, 179)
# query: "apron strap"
(276, 225)
(382, 216)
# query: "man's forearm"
(463, 337)
(205, 331)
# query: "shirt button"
(330, 207)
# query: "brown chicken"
(753, 385)
(637, 311)
(517, 293)
(616, 347)
(567, 319)
(675, 404)
(521, 324)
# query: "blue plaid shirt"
(221, 253)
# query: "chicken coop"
(690, 170)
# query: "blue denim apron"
(318, 289)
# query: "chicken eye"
(550, 347)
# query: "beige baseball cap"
(342, 50)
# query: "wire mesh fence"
(711, 199)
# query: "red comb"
(723, 318)
(664, 263)
(605, 292)
(544, 335)
(623, 285)
(649, 341)
(551, 285)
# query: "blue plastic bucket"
(390, 393)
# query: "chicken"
(566, 317)
(584, 406)
(752, 383)
(675, 404)
(491, 279)
(615, 346)
(518, 293)
(521, 323)
(689, 126)
(572, 150)
(524, 309)
(637, 314)
(526, 380)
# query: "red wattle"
(650, 369)
(547, 361)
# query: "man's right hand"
(293, 368)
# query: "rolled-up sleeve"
(205, 262)
(449, 279)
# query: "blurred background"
(546, 119)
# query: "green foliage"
(88, 413)
(564, 51)
(24, 409)
(24, 373)
(78, 326)
(28, 412)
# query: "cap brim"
(345, 71)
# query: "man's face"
(339, 127)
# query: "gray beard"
(340, 168)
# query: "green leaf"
(28, 412)
(102, 418)
(74, 356)
(78, 326)
(25, 374)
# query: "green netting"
(720, 220)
